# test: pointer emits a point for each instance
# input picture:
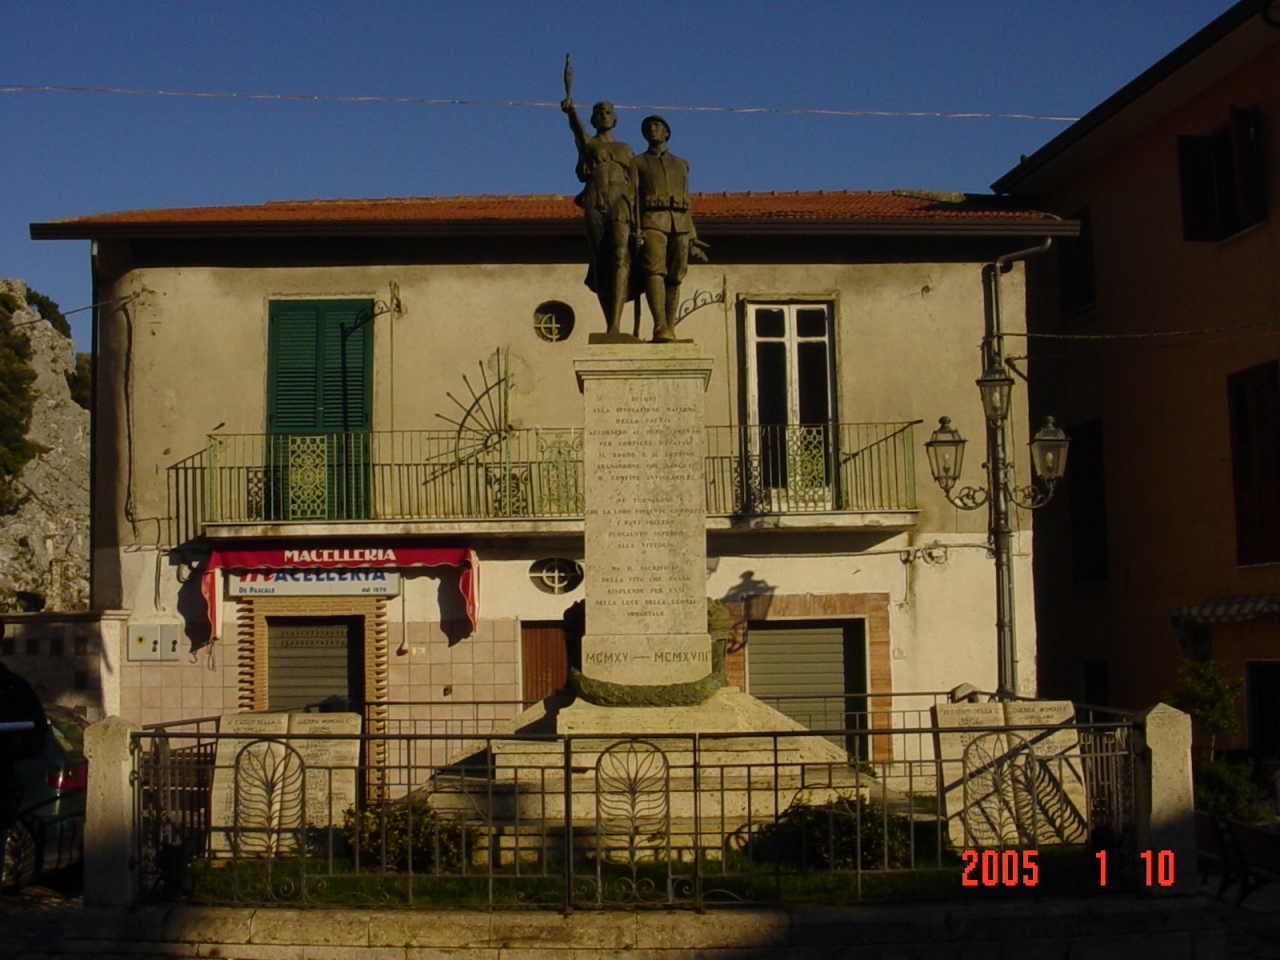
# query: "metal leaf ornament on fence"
(1056, 815)
(999, 808)
(270, 797)
(633, 811)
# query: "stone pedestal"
(648, 684)
(644, 449)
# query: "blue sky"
(68, 154)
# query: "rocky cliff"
(44, 543)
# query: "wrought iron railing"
(624, 820)
(396, 475)
(810, 469)
(528, 473)
(187, 486)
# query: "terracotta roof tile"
(793, 206)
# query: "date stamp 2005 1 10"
(1018, 868)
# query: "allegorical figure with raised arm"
(666, 234)
(608, 203)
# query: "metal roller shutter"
(307, 662)
(801, 670)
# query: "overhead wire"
(444, 101)
(1142, 336)
(67, 313)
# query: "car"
(49, 834)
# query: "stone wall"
(44, 545)
(1099, 928)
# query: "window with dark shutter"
(1253, 397)
(1095, 679)
(319, 399)
(1075, 267)
(1222, 179)
(1087, 501)
(319, 363)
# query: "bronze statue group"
(636, 208)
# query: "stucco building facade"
(1158, 351)
(337, 447)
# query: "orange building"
(1155, 339)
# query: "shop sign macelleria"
(370, 582)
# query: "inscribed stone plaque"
(274, 776)
(330, 764)
(644, 450)
(248, 727)
(1007, 784)
(966, 811)
(1058, 789)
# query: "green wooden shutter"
(344, 335)
(319, 386)
(293, 390)
(319, 366)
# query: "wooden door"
(544, 658)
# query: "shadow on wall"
(194, 612)
(748, 599)
(454, 623)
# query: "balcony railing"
(530, 473)
(754, 469)
(396, 475)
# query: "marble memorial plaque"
(248, 727)
(286, 784)
(1058, 787)
(964, 798)
(1008, 785)
(330, 764)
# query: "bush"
(80, 381)
(826, 836)
(1226, 789)
(49, 311)
(17, 399)
(1209, 697)
(394, 836)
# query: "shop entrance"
(315, 659)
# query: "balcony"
(527, 481)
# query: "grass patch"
(1069, 871)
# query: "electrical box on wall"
(170, 638)
(154, 641)
(144, 641)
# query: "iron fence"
(403, 816)
(533, 473)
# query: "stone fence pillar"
(1165, 800)
(110, 864)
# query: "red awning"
(339, 558)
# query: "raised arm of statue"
(575, 124)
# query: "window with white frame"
(791, 398)
(789, 363)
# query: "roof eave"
(726, 226)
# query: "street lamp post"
(945, 451)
